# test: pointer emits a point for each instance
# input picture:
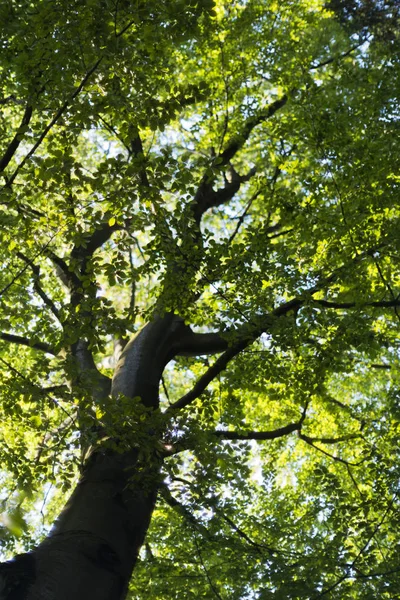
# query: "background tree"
(199, 299)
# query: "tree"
(199, 299)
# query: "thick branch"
(136, 148)
(282, 431)
(88, 374)
(196, 344)
(250, 333)
(258, 435)
(142, 362)
(24, 341)
(15, 142)
(100, 385)
(66, 277)
(343, 305)
(237, 142)
(95, 240)
(206, 197)
(219, 365)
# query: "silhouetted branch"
(100, 385)
(53, 121)
(206, 197)
(68, 278)
(136, 148)
(333, 59)
(95, 240)
(237, 142)
(15, 142)
(343, 305)
(333, 440)
(24, 341)
(183, 510)
(250, 333)
(203, 382)
(310, 442)
(243, 216)
(112, 130)
(37, 287)
(241, 533)
(258, 435)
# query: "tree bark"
(93, 547)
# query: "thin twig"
(39, 290)
(212, 586)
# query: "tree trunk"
(93, 547)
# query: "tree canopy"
(231, 165)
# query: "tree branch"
(250, 333)
(24, 341)
(203, 382)
(112, 130)
(210, 582)
(237, 142)
(43, 250)
(343, 305)
(258, 435)
(241, 533)
(386, 283)
(33, 386)
(360, 552)
(66, 277)
(310, 442)
(100, 385)
(15, 142)
(10, 98)
(343, 438)
(196, 344)
(206, 197)
(243, 216)
(136, 148)
(37, 287)
(53, 121)
(336, 58)
(94, 241)
(183, 510)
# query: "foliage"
(116, 119)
